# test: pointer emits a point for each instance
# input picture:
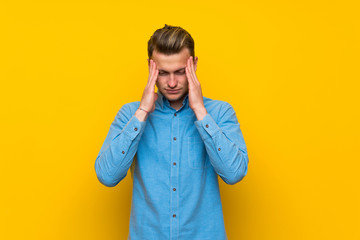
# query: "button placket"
(174, 175)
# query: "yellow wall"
(289, 68)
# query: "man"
(176, 143)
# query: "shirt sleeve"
(119, 148)
(225, 145)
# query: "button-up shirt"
(175, 161)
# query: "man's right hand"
(149, 96)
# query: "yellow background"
(290, 69)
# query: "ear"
(195, 63)
(148, 64)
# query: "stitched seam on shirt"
(219, 117)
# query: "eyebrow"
(174, 71)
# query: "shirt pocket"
(196, 153)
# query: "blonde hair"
(170, 40)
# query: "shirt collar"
(163, 101)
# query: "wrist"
(141, 115)
(143, 109)
(200, 113)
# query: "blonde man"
(176, 142)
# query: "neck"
(176, 105)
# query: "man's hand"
(196, 101)
(149, 96)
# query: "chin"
(174, 97)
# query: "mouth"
(174, 91)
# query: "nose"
(172, 82)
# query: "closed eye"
(177, 73)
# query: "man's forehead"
(182, 55)
(170, 58)
(171, 67)
(171, 62)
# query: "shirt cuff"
(207, 127)
(134, 127)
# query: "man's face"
(172, 81)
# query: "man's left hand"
(196, 101)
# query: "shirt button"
(174, 189)
(174, 215)
(219, 149)
(207, 126)
(122, 152)
(174, 138)
(135, 129)
(174, 163)
(175, 114)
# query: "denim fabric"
(175, 161)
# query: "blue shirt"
(175, 161)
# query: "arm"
(119, 148)
(224, 142)
(225, 145)
(121, 143)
